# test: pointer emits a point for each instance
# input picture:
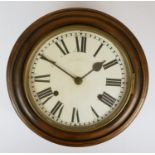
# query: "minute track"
(73, 115)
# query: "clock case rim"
(41, 28)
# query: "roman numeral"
(77, 44)
(83, 44)
(113, 82)
(107, 99)
(93, 110)
(75, 115)
(47, 93)
(42, 78)
(57, 109)
(110, 64)
(81, 48)
(62, 47)
(99, 48)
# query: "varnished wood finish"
(44, 26)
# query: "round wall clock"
(77, 77)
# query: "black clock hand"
(54, 63)
(96, 67)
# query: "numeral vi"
(75, 115)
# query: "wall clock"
(77, 77)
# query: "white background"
(15, 17)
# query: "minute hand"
(54, 63)
(96, 67)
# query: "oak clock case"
(77, 77)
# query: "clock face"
(77, 78)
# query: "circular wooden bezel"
(42, 27)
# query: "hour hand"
(54, 63)
(96, 67)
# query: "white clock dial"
(78, 77)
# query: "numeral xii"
(81, 47)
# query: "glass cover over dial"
(77, 78)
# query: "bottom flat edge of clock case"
(82, 143)
(74, 142)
